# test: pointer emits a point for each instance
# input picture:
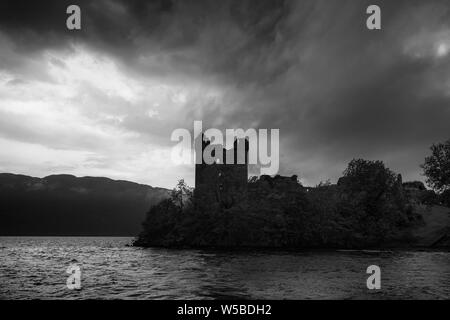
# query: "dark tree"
(181, 194)
(437, 167)
(371, 178)
(372, 196)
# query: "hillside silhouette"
(64, 205)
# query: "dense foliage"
(366, 208)
(437, 167)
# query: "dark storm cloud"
(224, 33)
(335, 89)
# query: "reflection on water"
(35, 268)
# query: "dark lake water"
(35, 268)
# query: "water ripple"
(35, 268)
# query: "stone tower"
(223, 182)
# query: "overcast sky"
(104, 101)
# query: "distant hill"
(68, 205)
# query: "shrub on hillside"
(429, 198)
(445, 198)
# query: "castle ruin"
(224, 181)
